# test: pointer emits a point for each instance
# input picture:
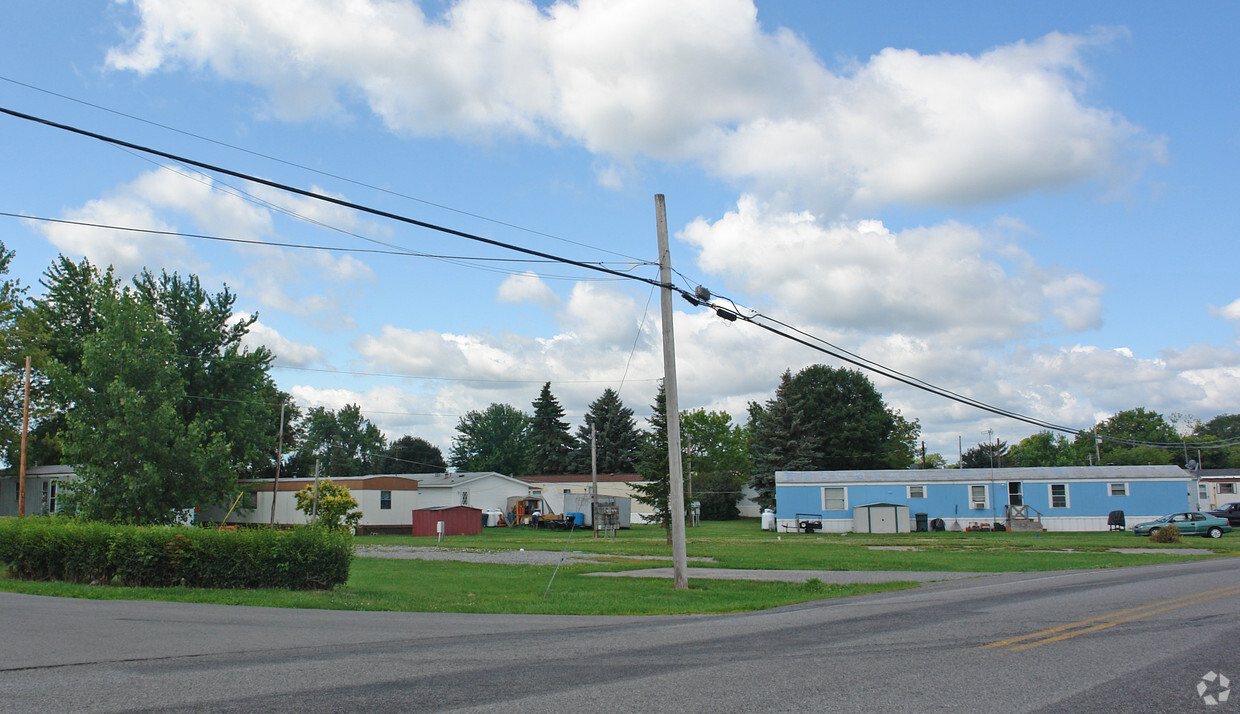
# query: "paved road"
(1129, 640)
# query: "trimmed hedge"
(51, 548)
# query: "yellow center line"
(1145, 610)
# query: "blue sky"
(1031, 204)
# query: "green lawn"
(449, 586)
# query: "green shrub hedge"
(51, 548)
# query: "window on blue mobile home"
(978, 497)
(834, 498)
(1059, 495)
(1117, 489)
(916, 491)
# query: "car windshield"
(1166, 518)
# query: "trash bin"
(923, 522)
(938, 525)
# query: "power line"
(456, 259)
(327, 174)
(327, 199)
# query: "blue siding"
(952, 500)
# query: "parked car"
(1189, 523)
(1231, 512)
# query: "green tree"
(1225, 428)
(12, 362)
(334, 507)
(716, 462)
(496, 439)
(618, 442)
(655, 490)
(1042, 449)
(986, 455)
(1129, 438)
(54, 329)
(137, 460)
(414, 454)
(551, 443)
(344, 443)
(824, 419)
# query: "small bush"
(81, 552)
(1169, 533)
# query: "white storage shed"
(881, 518)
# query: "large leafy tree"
(827, 419)
(53, 329)
(1222, 428)
(137, 459)
(227, 387)
(551, 442)
(414, 455)
(12, 362)
(495, 439)
(343, 443)
(716, 461)
(618, 442)
(1130, 437)
(1042, 449)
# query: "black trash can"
(923, 522)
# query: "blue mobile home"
(1062, 499)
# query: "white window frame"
(843, 498)
(1050, 492)
(916, 491)
(973, 500)
(1227, 488)
(1111, 489)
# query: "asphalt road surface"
(1126, 640)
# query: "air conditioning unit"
(979, 505)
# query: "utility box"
(580, 503)
(881, 518)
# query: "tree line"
(147, 390)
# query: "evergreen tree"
(656, 489)
(551, 443)
(824, 419)
(618, 442)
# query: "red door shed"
(457, 520)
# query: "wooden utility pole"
(21, 469)
(676, 499)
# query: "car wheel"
(1153, 532)
(1215, 532)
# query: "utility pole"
(21, 471)
(275, 487)
(676, 500)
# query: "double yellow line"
(1064, 632)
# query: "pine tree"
(551, 442)
(656, 489)
(618, 441)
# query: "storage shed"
(457, 520)
(881, 518)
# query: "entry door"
(1015, 498)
